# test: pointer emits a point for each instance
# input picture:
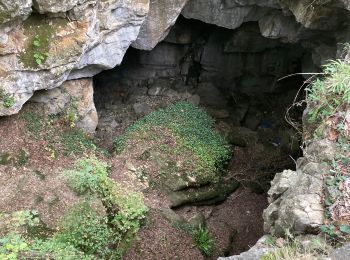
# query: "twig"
(300, 73)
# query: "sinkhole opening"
(245, 81)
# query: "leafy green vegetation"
(11, 246)
(191, 134)
(7, 100)
(34, 122)
(329, 94)
(86, 231)
(328, 101)
(38, 55)
(90, 177)
(75, 141)
(39, 32)
(22, 158)
(203, 240)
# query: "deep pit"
(239, 78)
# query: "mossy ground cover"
(183, 136)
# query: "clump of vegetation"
(5, 158)
(329, 104)
(34, 122)
(39, 32)
(22, 158)
(85, 231)
(328, 95)
(66, 140)
(190, 132)
(203, 240)
(75, 141)
(7, 100)
(90, 177)
(290, 248)
(38, 54)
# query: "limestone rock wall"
(44, 43)
(62, 40)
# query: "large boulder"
(54, 6)
(75, 98)
(161, 17)
(44, 51)
(295, 201)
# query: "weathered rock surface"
(254, 253)
(74, 97)
(72, 39)
(341, 253)
(43, 52)
(54, 6)
(295, 201)
(162, 15)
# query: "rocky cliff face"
(44, 43)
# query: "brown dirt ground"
(38, 185)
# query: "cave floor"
(36, 158)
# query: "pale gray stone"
(162, 15)
(295, 199)
(254, 253)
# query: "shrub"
(11, 246)
(86, 230)
(126, 209)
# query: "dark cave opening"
(240, 78)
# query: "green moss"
(191, 139)
(40, 32)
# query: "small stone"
(154, 91)
(171, 93)
(194, 99)
(114, 124)
(141, 108)
(130, 167)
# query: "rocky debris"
(241, 136)
(321, 151)
(295, 200)
(74, 98)
(254, 253)
(141, 108)
(341, 253)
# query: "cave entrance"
(238, 77)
